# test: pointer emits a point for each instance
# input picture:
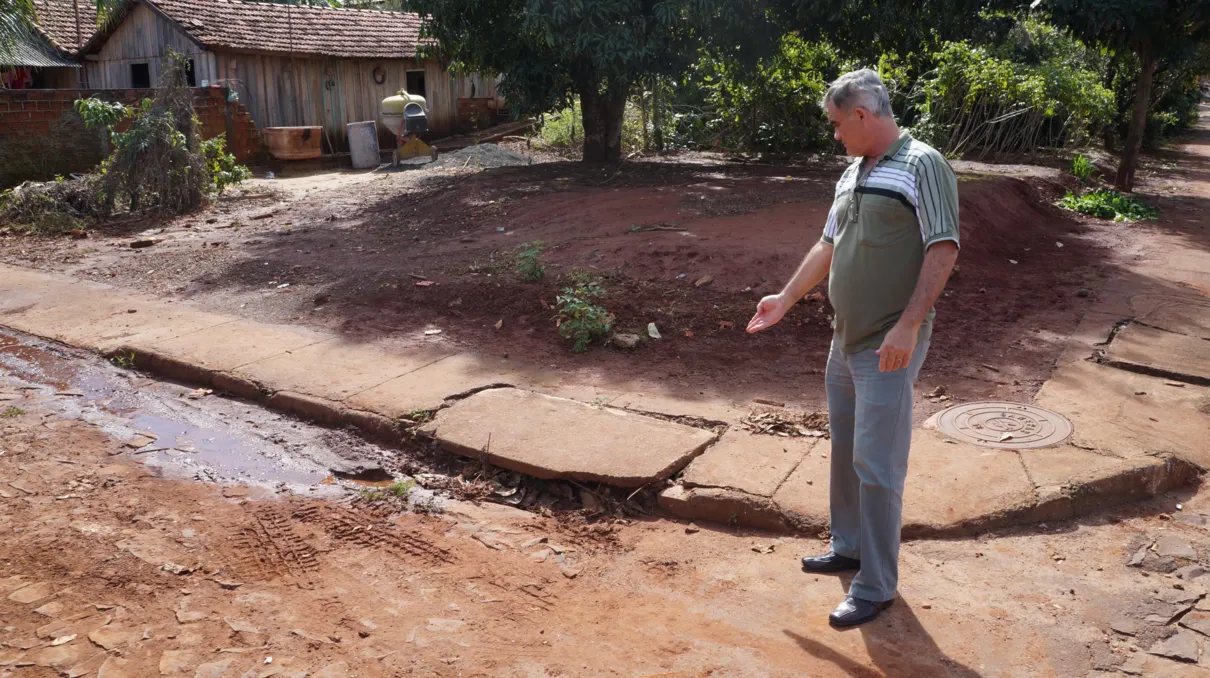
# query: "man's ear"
(860, 113)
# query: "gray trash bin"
(363, 144)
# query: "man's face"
(850, 129)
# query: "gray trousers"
(870, 416)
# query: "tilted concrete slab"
(1188, 318)
(430, 386)
(755, 464)
(334, 369)
(1156, 351)
(1076, 482)
(1126, 414)
(239, 343)
(550, 437)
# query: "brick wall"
(41, 135)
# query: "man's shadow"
(898, 645)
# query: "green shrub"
(563, 130)
(580, 320)
(529, 264)
(1013, 98)
(1107, 204)
(224, 169)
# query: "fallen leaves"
(787, 424)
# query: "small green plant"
(12, 412)
(582, 276)
(103, 114)
(580, 320)
(125, 361)
(1082, 168)
(418, 417)
(399, 489)
(224, 170)
(529, 263)
(1107, 204)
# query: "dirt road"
(117, 563)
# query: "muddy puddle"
(186, 432)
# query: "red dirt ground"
(363, 244)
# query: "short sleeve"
(831, 228)
(936, 199)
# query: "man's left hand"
(896, 351)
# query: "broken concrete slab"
(803, 497)
(1170, 546)
(151, 323)
(1102, 480)
(32, 593)
(335, 369)
(723, 506)
(1154, 351)
(749, 463)
(428, 387)
(236, 344)
(1108, 417)
(1182, 647)
(512, 428)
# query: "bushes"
(1107, 204)
(1036, 90)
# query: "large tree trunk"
(1138, 120)
(602, 125)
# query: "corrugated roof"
(57, 18)
(270, 27)
(36, 52)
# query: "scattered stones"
(1125, 626)
(1169, 546)
(626, 340)
(653, 331)
(213, 669)
(1134, 665)
(1190, 572)
(116, 667)
(240, 626)
(1139, 556)
(703, 281)
(61, 657)
(189, 616)
(90, 665)
(1082, 293)
(175, 661)
(691, 528)
(1181, 647)
(444, 625)
(111, 637)
(53, 609)
(142, 244)
(32, 592)
(1156, 619)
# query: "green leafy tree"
(550, 52)
(1150, 29)
(17, 21)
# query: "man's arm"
(813, 269)
(900, 342)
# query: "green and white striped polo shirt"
(880, 225)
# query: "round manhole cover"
(1004, 425)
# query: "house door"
(333, 107)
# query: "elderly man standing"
(888, 247)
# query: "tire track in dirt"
(372, 528)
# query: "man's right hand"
(770, 310)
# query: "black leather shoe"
(829, 562)
(855, 611)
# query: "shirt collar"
(904, 137)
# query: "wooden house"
(290, 65)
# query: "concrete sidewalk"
(1135, 436)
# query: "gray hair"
(860, 89)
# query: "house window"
(415, 83)
(190, 76)
(140, 76)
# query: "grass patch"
(1106, 204)
(1082, 168)
(579, 319)
(12, 412)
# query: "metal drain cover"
(1010, 426)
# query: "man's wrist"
(787, 298)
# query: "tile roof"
(270, 27)
(57, 18)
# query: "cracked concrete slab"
(428, 387)
(1129, 415)
(754, 464)
(1191, 319)
(550, 437)
(335, 369)
(1151, 350)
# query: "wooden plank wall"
(315, 91)
(144, 36)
